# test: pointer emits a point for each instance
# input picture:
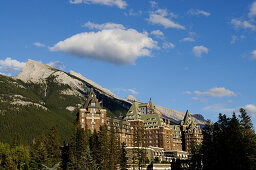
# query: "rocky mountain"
(42, 96)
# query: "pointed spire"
(187, 118)
(91, 98)
(151, 104)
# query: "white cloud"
(119, 3)
(167, 45)
(219, 108)
(75, 1)
(216, 92)
(159, 17)
(133, 13)
(38, 44)
(108, 25)
(253, 54)
(187, 92)
(133, 91)
(252, 12)
(243, 24)
(187, 39)
(157, 33)
(10, 65)
(56, 64)
(234, 39)
(113, 45)
(251, 109)
(198, 12)
(153, 4)
(199, 50)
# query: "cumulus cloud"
(56, 64)
(187, 39)
(133, 91)
(118, 3)
(253, 56)
(38, 44)
(251, 109)
(167, 45)
(108, 25)
(157, 33)
(252, 12)
(216, 92)
(10, 65)
(160, 17)
(199, 50)
(198, 12)
(117, 46)
(243, 24)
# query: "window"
(82, 125)
(82, 120)
(92, 114)
(102, 120)
(82, 114)
(92, 120)
(102, 115)
(92, 104)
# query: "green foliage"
(229, 143)
(123, 158)
(15, 118)
(17, 157)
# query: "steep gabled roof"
(134, 112)
(91, 98)
(187, 119)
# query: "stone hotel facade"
(159, 130)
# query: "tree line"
(228, 144)
(85, 150)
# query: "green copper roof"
(151, 104)
(152, 120)
(187, 119)
(176, 131)
(134, 112)
(92, 98)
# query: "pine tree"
(53, 147)
(104, 147)
(77, 148)
(123, 158)
(38, 153)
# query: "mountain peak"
(35, 71)
(132, 99)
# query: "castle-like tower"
(191, 133)
(158, 130)
(92, 115)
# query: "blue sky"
(198, 55)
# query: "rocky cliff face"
(42, 96)
(78, 85)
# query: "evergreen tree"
(94, 147)
(38, 153)
(77, 149)
(123, 158)
(104, 148)
(53, 147)
(229, 143)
